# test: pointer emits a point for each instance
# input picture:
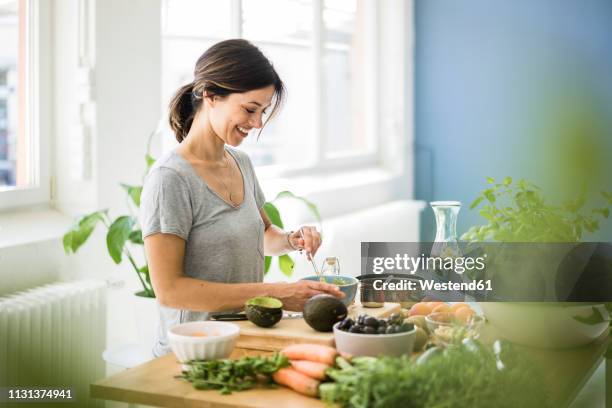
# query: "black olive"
(371, 321)
(361, 318)
(382, 329)
(369, 330)
(345, 324)
(390, 329)
(355, 329)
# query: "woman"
(203, 224)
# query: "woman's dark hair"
(231, 66)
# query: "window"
(324, 50)
(21, 161)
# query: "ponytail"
(182, 110)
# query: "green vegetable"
(518, 212)
(264, 311)
(322, 311)
(463, 375)
(234, 375)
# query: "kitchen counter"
(154, 383)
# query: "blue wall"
(511, 87)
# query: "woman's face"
(232, 117)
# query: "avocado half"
(321, 312)
(264, 311)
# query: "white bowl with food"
(374, 345)
(204, 340)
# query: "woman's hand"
(295, 295)
(306, 238)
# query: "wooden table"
(153, 383)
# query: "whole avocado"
(321, 312)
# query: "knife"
(229, 317)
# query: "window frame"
(38, 96)
(335, 161)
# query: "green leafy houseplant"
(518, 212)
(124, 233)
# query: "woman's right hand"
(294, 295)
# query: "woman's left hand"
(306, 238)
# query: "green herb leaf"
(596, 317)
(489, 195)
(475, 203)
(228, 375)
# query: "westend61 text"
(479, 285)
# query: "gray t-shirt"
(223, 243)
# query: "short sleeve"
(165, 205)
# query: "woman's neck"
(202, 142)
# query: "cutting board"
(295, 330)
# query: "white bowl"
(545, 325)
(373, 345)
(218, 343)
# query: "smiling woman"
(203, 223)
(222, 71)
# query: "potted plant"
(533, 242)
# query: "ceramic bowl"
(373, 345)
(546, 325)
(205, 340)
(349, 288)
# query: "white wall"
(123, 94)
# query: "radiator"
(54, 336)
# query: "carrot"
(311, 352)
(296, 381)
(310, 368)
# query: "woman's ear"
(209, 99)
